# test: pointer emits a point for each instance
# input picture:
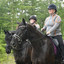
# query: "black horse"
(21, 51)
(8, 37)
(43, 49)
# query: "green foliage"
(2, 47)
(2, 42)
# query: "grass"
(9, 60)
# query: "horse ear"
(24, 21)
(5, 31)
(18, 22)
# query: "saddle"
(55, 41)
(56, 46)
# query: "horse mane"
(43, 34)
(30, 25)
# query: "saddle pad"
(55, 48)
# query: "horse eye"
(22, 28)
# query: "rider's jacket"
(52, 24)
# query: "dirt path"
(10, 59)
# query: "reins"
(37, 39)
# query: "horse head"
(8, 37)
(16, 38)
(22, 32)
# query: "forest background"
(14, 10)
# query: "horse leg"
(33, 62)
(29, 63)
(17, 62)
(37, 61)
(58, 60)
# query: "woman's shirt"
(52, 24)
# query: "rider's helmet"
(52, 6)
(33, 17)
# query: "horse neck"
(36, 40)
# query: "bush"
(2, 47)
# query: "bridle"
(17, 37)
(20, 37)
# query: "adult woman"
(33, 20)
(52, 26)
